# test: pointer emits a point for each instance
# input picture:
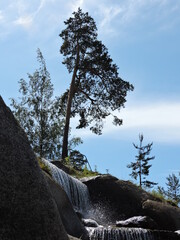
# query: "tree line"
(96, 91)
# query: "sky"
(143, 39)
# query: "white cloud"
(25, 21)
(112, 17)
(159, 115)
(159, 122)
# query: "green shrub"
(43, 166)
(84, 173)
(158, 195)
(162, 198)
(172, 202)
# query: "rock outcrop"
(167, 216)
(114, 200)
(27, 209)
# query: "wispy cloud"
(112, 17)
(108, 15)
(153, 14)
(26, 14)
(159, 122)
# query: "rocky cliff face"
(27, 209)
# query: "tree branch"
(91, 99)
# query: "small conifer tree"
(173, 188)
(140, 168)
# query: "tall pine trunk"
(140, 163)
(140, 180)
(68, 109)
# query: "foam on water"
(110, 233)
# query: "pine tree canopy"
(98, 90)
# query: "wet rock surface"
(138, 221)
(90, 223)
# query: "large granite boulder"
(166, 216)
(71, 221)
(27, 209)
(115, 199)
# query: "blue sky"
(143, 38)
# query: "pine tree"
(140, 168)
(173, 188)
(96, 90)
(38, 114)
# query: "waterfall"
(113, 233)
(77, 191)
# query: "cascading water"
(111, 233)
(77, 191)
(79, 196)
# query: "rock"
(167, 235)
(73, 238)
(70, 220)
(27, 209)
(166, 216)
(80, 216)
(178, 232)
(115, 199)
(90, 223)
(139, 222)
